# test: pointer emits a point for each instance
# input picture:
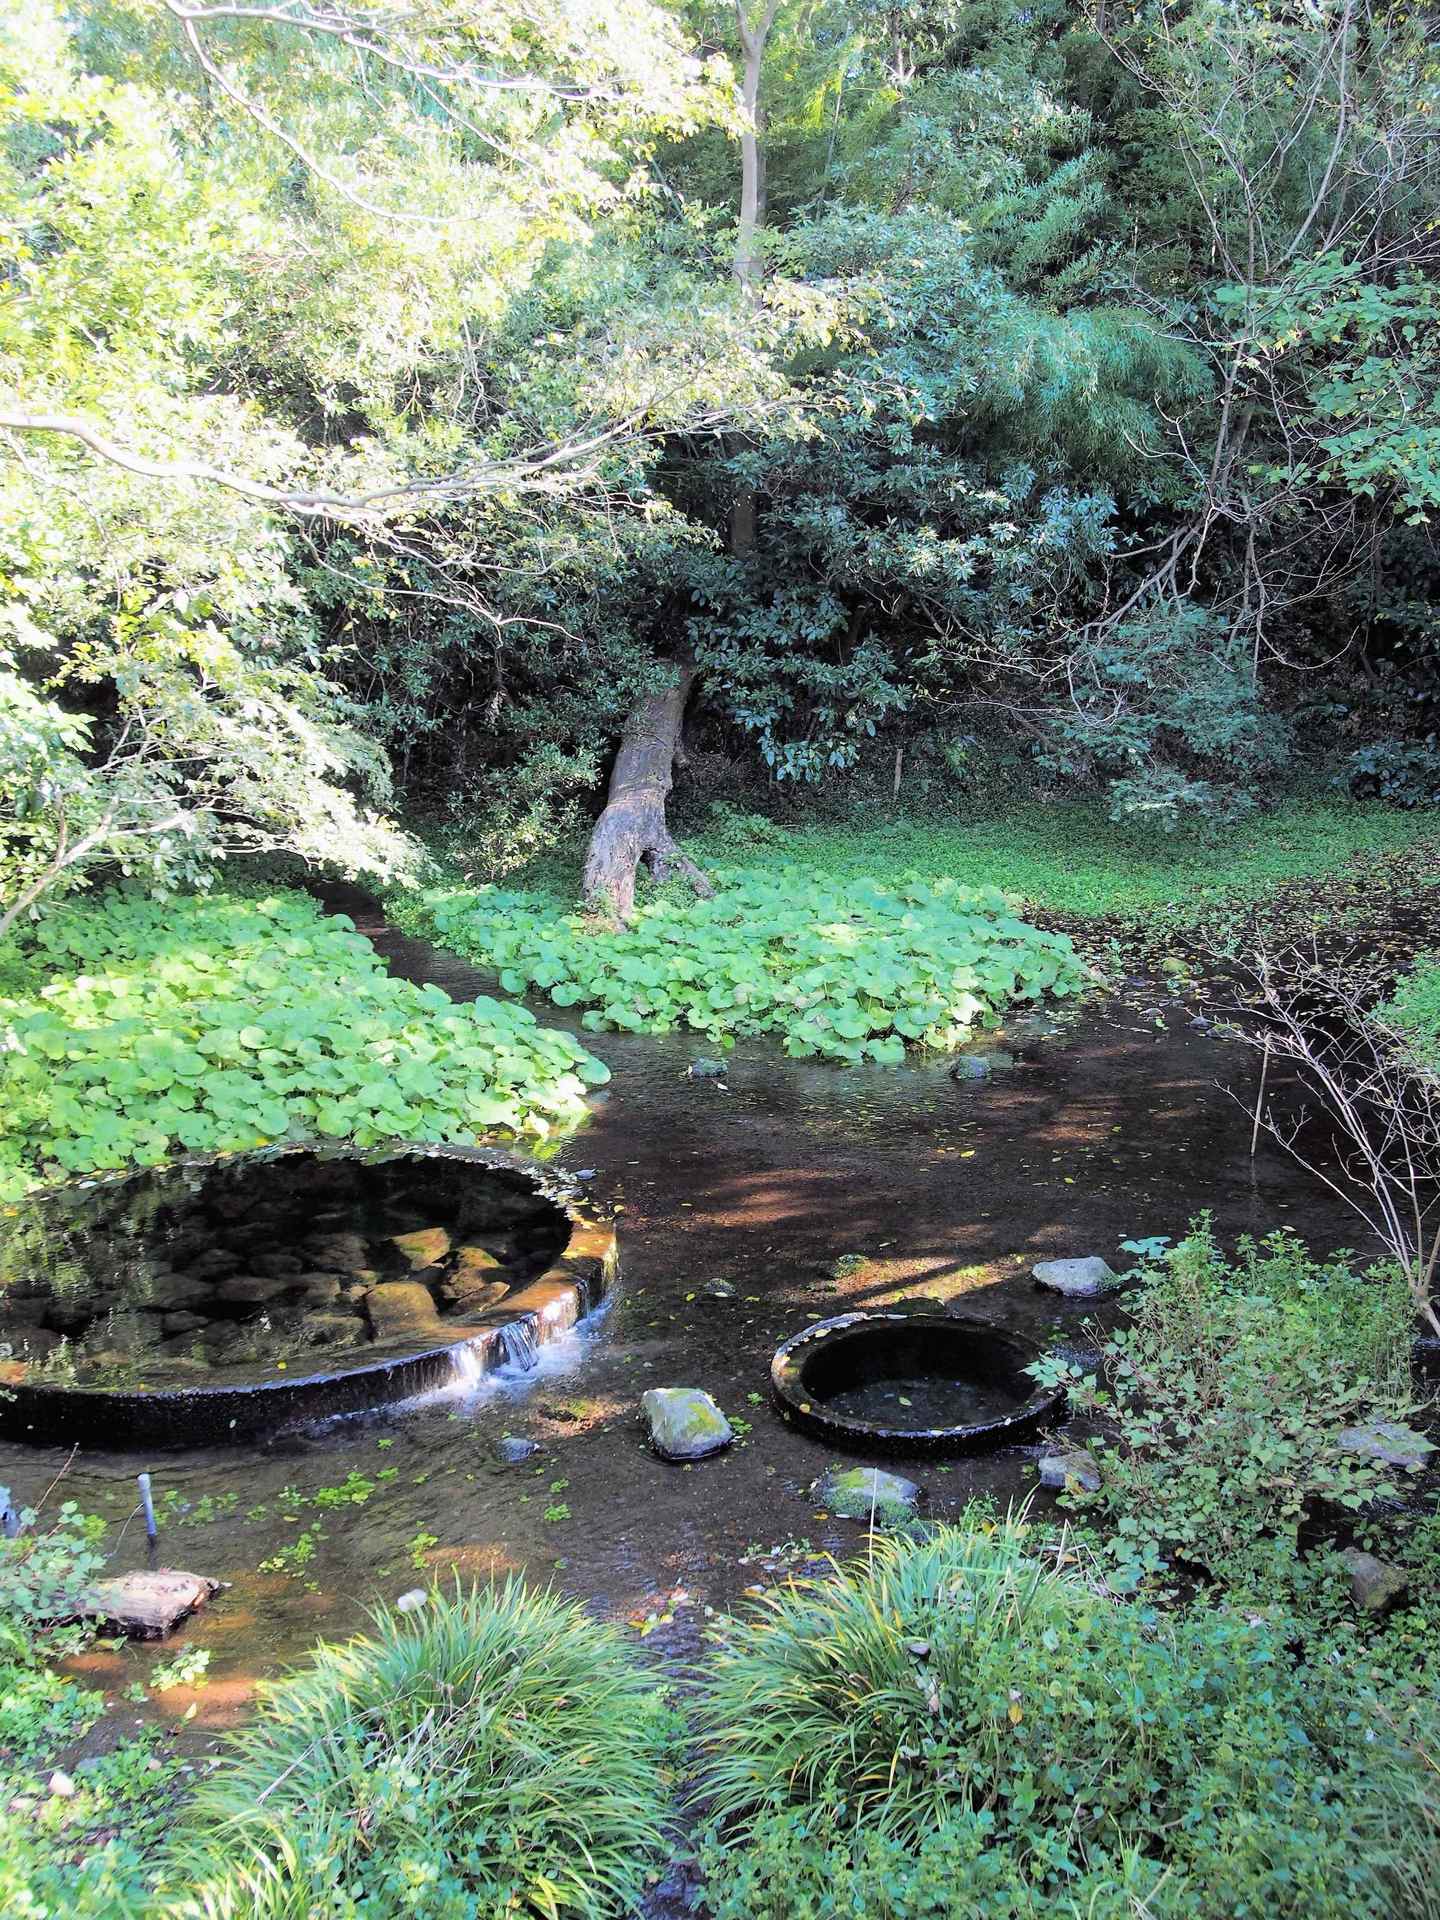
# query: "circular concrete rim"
(787, 1384)
(582, 1275)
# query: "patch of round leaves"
(496, 1752)
(960, 1724)
(134, 1029)
(839, 968)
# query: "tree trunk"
(632, 828)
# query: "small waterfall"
(467, 1363)
(518, 1344)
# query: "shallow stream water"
(1116, 1128)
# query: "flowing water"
(747, 1207)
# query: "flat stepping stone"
(1089, 1278)
(1074, 1470)
(145, 1606)
(855, 1493)
(1388, 1441)
(684, 1423)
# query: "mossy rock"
(684, 1423)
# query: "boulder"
(250, 1290)
(512, 1449)
(182, 1322)
(472, 1258)
(401, 1310)
(312, 1289)
(336, 1252)
(146, 1606)
(27, 1341)
(1084, 1279)
(684, 1423)
(1075, 1469)
(126, 1333)
(213, 1263)
(177, 1293)
(1375, 1586)
(278, 1265)
(1389, 1442)
(855, 1493)
(477, 1295)
(331, 1329)
(425, 1248)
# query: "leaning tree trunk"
(632, 828)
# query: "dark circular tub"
(902, 1382)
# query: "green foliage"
(1415, 1009)
(1223, 1398)
(958, 1724)
(842, 970)
(137, 1029)
(495, 1752)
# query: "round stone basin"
(228, 1298)
(900, 1382)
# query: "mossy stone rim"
(984, 1352)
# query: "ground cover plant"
(840, 969)
(495, 1752)
(136, 1029)
(1414, 1010)
(1230, 1400)
(963, 1723)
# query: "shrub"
(495, 1753)
(844, 969)
(1224, 1396)
(136, 1028)
(958, 1726)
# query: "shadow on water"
(765, 1181)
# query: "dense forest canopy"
(404, 406)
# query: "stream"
(1114, 1129)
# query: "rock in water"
(1389, 1442)
(854, 1493)
(1085, 1279)
(684, 1423)
(512, 1448)
(705, 1070)
(980, 1066)
(427, 1248)
(1375, 1585)
(146, 1606)
(1076, 1467)
(402, 1309)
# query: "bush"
(1224, 1396)
(136, 1028)
(495, 1753)
(957, 1726)
(841, 968)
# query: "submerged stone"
(400, 1308)
(1388, 1441)
(1074, 1468)
(512, 1449)
(1089, 1278)
(981, 1065)
(684, 1423)
(854, 1493)
(1375, 1586)
(146, 1606)
(427, 1248)
(705, 1070)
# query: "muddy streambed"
(786, 1191)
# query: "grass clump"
(960, 1725)
(497, 1752)
(134, 1028)
(1225, 1398)
(839, 969)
